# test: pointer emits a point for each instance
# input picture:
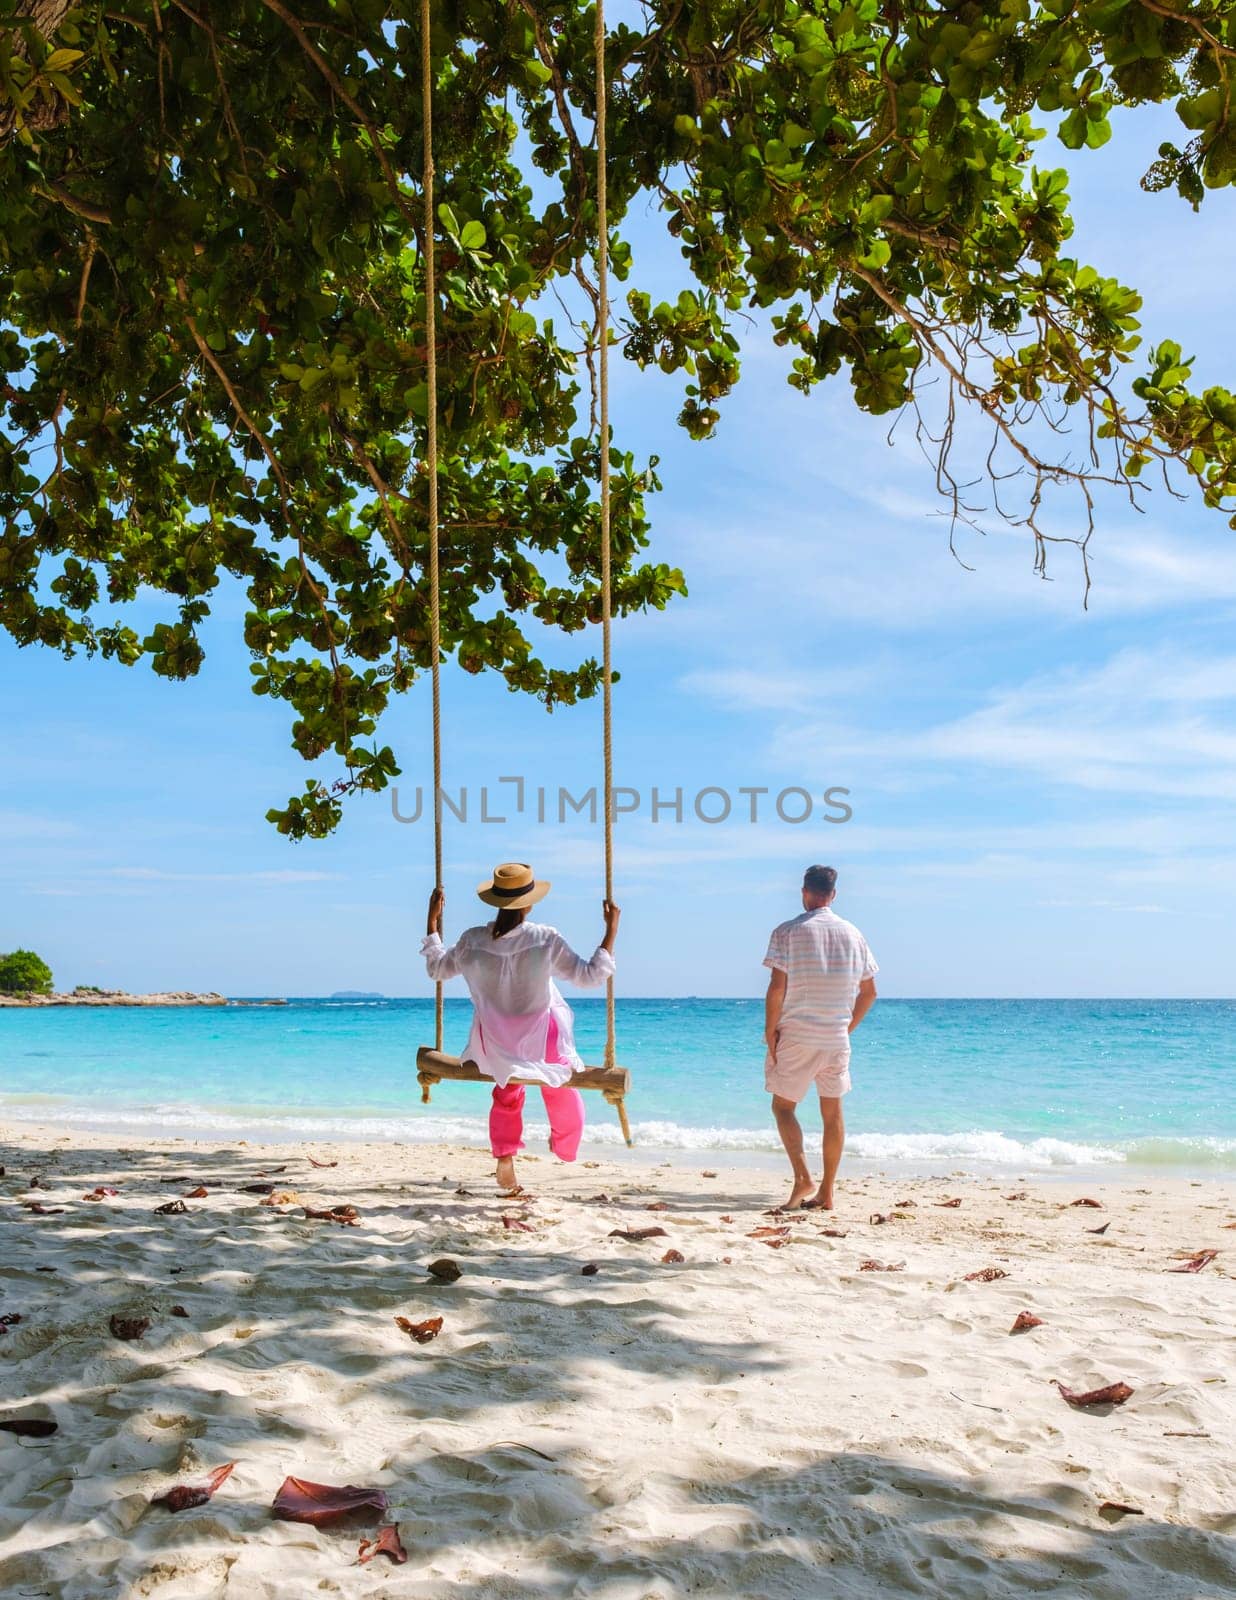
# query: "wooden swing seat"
(435, 1066)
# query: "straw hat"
(513, 887)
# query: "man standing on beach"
(820, 987)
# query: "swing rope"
(607, 674)
(431, 383)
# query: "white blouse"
(514, 997)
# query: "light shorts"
(799, 1065)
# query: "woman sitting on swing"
(521, 1025)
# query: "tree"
(22, 972)
(212, 309)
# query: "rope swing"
(433, 1065)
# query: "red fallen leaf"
(726, 1219)
(672, 1257)
(178, 1311)
(986, 1275)
(905, 1205)
(1113, 1510)
(1020, 1195)
(657, 1205)
(727, 1261)
(348, 1216)
(314, 1163)
(589, 1269)
(185, 1496)
(878, 1266)
(28, 1427)
(444, 1270)
(636, 1235)
(299, 1500)
(950, 1205)
(707, 1174)
(1103, 1229)
(833, 1233)
(514, 1224)
(599, 1200)
(388, 1543)
(200, 1193)
(40, 1210)
(876, 1218)
(782, 1232)
(423, 1332)
(128, 1327)
(1026, 1320)
(775, 1244)
(101, 1193)
(1203, 1258)
(172, 1208)
(10, 1319)
(1095, 1205)
(1112, 1394)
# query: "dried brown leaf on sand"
(29, 1427)
(1101, 1230)
(103, 1192)
(1113, 1510)
(782, 1232)
(298, 1500)
(1020, 1195)
(657, 1205)
(1025, 1321)
(638, 1235)
(1203, 1258)
(256, 1188)
(178, 1311)
(347, 1216)
(950, 1205)
(128, 1327)
(905, 1205)
(423, 1332)
(1094, 1205)
(171, 1208)
(833, 1233)
(879, 1266)
(444, 1270)
(986, 1275)
(185, 1495)
(37, 1209)
(1111, 1394)
(200, 1193)
(589, 1269)
(388, 1543)
(707, 1174)
(314, 1163)
(672, 1257)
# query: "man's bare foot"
(821, 1202)
(800, 1192)
(506, 1173)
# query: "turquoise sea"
(1029, 1085)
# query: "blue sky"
(1042, 796)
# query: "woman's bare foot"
(800, 1192)
(506, 1173)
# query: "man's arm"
(866, 999)
(773, 1001)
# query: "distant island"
(354, 994)
(86, 995)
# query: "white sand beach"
(749, 1421)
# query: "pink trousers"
(564, 1107)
